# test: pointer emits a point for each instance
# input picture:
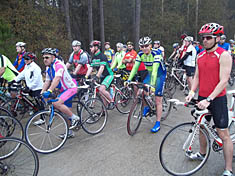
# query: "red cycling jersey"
(209, 70)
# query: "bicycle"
(174, 154)
(136, 113)
(17, 158)
(45, 138)
(176, 77)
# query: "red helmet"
(29, 56)
(211, 28)
(95, 43)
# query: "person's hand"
(203, 104)
(190, 96)
(47, 94)
(126, 83)
(152, 89)
(26, 90)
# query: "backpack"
(88, 56)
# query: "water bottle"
(111, 92)
(184, 77)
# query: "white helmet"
(119, 45)
(145, 41)
(231, 41)
(223, 37)
(188, 39)
(21, 44)
(76, 43)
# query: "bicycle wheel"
(24, 161)
(124, 100)
(135, 116)
(93, 116)
(173, 150)
(45, 138)
(166, 105)
(171, 85)
(232, 135)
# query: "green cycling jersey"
(118, 60)
(154, 64)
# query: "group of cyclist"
(211, 60)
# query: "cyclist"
(19, 62)
(80, 60)
(125, 48)
(175, 54)
(189, 60)
(58, 56)
(109, 53)
(117, 63)
(104, 74)
(232, 46)
(211, 77)
(224, 44)
(58, 76)
(156, 75)
(157, 46)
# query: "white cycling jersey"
(191, 59)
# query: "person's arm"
(36, 78)
(100, 71)
(2, 71)
(89, 71)
(156, 64)
(83, 60)
(45, 86)
(21, 65)
(69, 63)
(55, 82)
(135, 68)
(172, 54)
(20, 76)
(114, 63)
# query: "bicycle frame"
(173, 70)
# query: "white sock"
(74, 117)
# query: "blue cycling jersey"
(226, 46)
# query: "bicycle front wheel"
(135, 116)
(45, 138)
(124, 100)
(174, 154)
(93, 116)
(24, 161)
(166, 105)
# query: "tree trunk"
(90, 21)
(137, 22)
(67, 18)
(102, 37)
(196, 21)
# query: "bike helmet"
(183, 36)
(119, 45)
(188, 39)
(145, 41)
(211, 29)
(157, 42)
(50, 51)
(223, 37)
(76, 43)
(107, 43)
(95, 43)
(21, 44)
(231, 41)
(175, 45)
(29, 55)
(130, 43)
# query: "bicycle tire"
(232, 134)
(135, 116)
(93, 116)
(24, 161)
(171, 85)
(172, 150)
(124, 100)
(59, 126)
(166, 105)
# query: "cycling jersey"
(225, 46)
(209, 68)
(191, 59)
(58, 68)
(100, 59)
(79, 58)
(129, 65)
(19, 63)
(10, 71)
(154, 64)
(109, 53)
(118, 60)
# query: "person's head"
(156, 44)
(76, 45)
(232, 42)
(29, 57)
(49, 55)
(107, 45)
(95, 46)
(124, 48)
(20, 47)
(182, 37)
(222, 39)
(188, 40)
(210, 34)
(145, 44)
(130, 46)
(175, 46)
(119, 46)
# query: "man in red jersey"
(212, 73)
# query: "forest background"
(56, 23)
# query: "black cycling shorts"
(189, 70)
(219, 110)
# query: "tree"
(67, 17)
(102, 37)
(137, 22)
(90, 21)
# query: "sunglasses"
(144, 46)
(46, 57)
(91, 46)
(208, 37)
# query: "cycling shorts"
(67, 96)
(107, 81)
(219, 110)
(160, 83)
(189, 70)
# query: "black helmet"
(145, 41)
(51, 51)
(29, 55)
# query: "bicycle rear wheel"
(45, 138)
(171, 85)
(24, 161)
(135, 116)
(124, 100)
(232, 135)
(93, 116)
(173, 155)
